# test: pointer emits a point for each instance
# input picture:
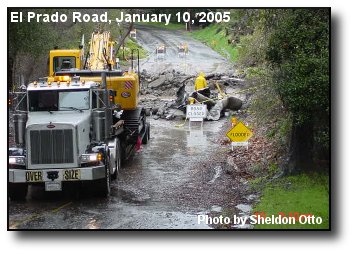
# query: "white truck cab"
(62, 137)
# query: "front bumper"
(61, 175)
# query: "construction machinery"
(79, 123)
(66, 59)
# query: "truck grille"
(51, 146)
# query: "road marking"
(38, 215)
(61, 207)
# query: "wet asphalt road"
(147, 194)
(175, 177)
(200, 57)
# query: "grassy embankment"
(303, 194)
(131, 44)
(216, 39)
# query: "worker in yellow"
(201, 85)
(200, 82)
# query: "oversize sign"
(196, 111)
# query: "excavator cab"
(64, 59)
(100, 58)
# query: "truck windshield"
(63, 100)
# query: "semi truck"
(78, 124)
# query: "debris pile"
(166, 95)
(252, 161)
(165, 84)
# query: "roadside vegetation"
(293, 196)
(216, 38)
(284, 56)
(286, 52)
(125, 53)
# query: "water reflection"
(93, 224)
(196, 138)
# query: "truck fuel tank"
(20, 120)
(98, 124)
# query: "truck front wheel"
(118, 160)
(18, 191)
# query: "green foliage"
(33, 37)
(267, 107)
(214, 36)
(295, 43)
(305, 194)
(256, 72)
(252, 49)
(292, 45)
(258, 183)
(273, 169)
(131, 45)
(298, 51)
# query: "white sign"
(53, 186)
(133, 34)
(196, 111)
(239, 143)
(233, 144)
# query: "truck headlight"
(92, 157)
(18, 160)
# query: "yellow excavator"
(100, 60)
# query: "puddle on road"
(93, 224)
(197, 138)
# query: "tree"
(26, 37)
(299, 54)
